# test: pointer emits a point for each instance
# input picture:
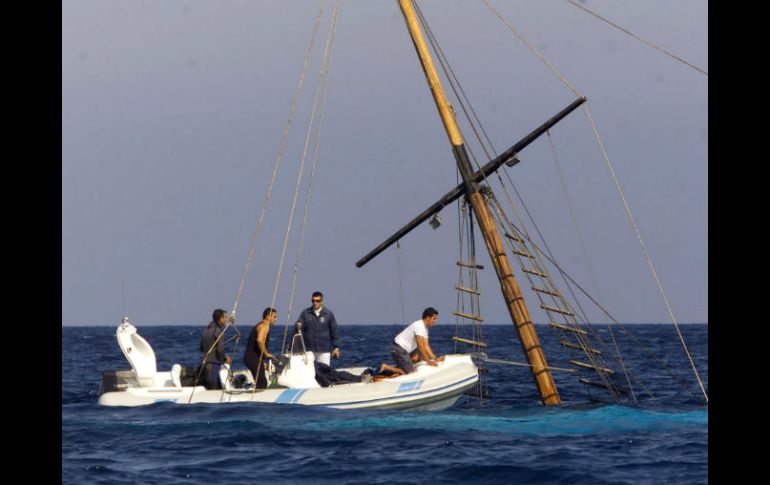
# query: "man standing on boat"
(214, 350)
(413, 341)
(256, 355)
(319, 330)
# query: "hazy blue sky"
(172, 114)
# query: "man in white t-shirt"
(413, 342)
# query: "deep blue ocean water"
(511, 439)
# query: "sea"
(507, 438)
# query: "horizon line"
(376, 324)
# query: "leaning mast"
(508, 284)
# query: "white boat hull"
(430, 388)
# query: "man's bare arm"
(426, 354)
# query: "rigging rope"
(617, 185)
(465, 217)
(573, 217)
(522, 364)
(644, 249)
(475, 301)
(466, 228)
(455, 85)
(461, 219)
(644, 346)
(312, 172)
(265, 202)
(400, 280)
(323, 78)
(585, 343)
(572, 88)
(660, 49)
(279, 155)
(450, 75)
(502, 219)
(463, 100)
(532, 48)
(565, 277)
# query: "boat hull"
(429, 388)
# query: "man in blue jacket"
(319, 330)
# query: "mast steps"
(547, 292)
(604, 386)
(469, 342)
(591, 366)
(467, 290)
(557, 310)
(522, 253)
(534, 272)
(568, 329)
(465, 264)
(514, 238)
(584, 349)
(469, 316)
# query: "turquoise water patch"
(608, 419)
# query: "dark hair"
(429, 312)
(317, 293)
(267, 312)
(218, 314)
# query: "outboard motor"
(138, 352)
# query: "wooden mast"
(508, 284)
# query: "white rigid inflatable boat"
(430, 388)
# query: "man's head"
(270, 315)
(219, 316)
(430, 316)
(317, 299)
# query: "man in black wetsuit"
(256, 355)
(215, 354)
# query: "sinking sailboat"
(293, 380)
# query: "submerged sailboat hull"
(429, 388)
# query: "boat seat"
(139, 354)
(176, 375)
(299, 372)
(225, 377)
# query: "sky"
(172, 115)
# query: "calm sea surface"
(511, 439)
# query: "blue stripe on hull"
(410, 386)
(290, 396)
